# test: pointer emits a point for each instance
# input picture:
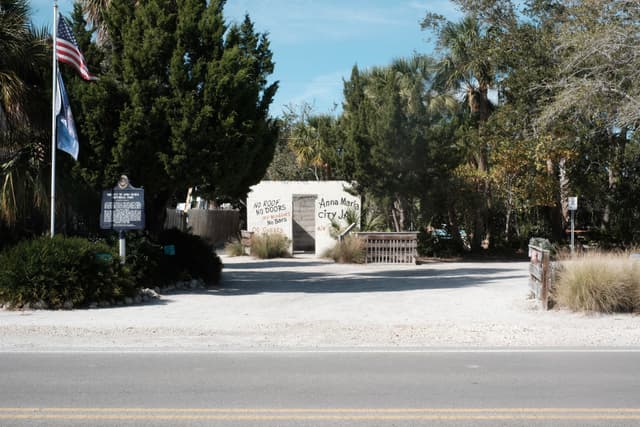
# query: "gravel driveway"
(310, 304)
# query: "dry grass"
(350, 250)
(234, 248)
(602, 282)
(270, 245)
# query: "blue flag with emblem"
(67, 137)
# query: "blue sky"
(317, 42)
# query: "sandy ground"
(310, 304)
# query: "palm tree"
(311, 141)
(24, 117)
(95, 12)
(24, 54)
(467, 66)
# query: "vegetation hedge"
(71, 271)
(60, 272)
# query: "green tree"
(468, 66)
(392, 139)
(516, 144)
(183, 100)
(597, 86)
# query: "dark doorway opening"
(304, 222)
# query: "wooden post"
(540, 275)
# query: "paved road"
(448, 388)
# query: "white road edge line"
(320, 351)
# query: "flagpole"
(54, 89)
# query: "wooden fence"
(540, 276)
(390, 248)
(215, 226)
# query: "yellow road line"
(314, 417)
(318, 414)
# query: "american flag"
(68, 52)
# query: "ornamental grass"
(599, 282)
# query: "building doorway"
(304, 222)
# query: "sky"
(316, 43)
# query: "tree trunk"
(398, 214)
(618, 144)
(479, 107)
(506, 225)
(563, 180)
(554, 212)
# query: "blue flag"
(67, 138)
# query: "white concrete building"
(301, 210)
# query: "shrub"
(55, 272)
(193, 258)
(351, 250)
(598, 282)
(270, 245)
(234, 248)
(144, 258)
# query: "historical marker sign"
(122, 208)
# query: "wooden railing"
(390, 248)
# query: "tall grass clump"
(270, 245)
(602, 282)
(234, 248)
(351, 250)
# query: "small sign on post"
(122, 209)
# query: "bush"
(351, 250)
(234, 248)
(56, 272)
(599, 282)
(144, 258)
(193, 258)
(270, 245)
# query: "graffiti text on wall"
(273, 214)
(269, 206)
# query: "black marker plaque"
(122, 208)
